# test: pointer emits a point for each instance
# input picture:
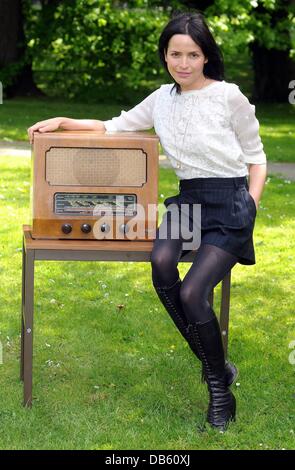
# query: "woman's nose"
(183, 62)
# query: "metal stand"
(81, 250)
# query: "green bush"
(90, 48)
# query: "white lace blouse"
(211, 132)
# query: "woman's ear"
(165, 55)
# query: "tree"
(15, 58)
(16, 72)
(270, 52)
(70, 35)
(265, 27)
(91, 49)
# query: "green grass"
(276, 121)
(110, 378)
(277, 131)
(18, 114)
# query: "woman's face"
(185, 61)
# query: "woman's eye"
(176, 54)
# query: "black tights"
(209, 267)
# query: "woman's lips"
(183, 74)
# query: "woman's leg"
(208, 269)
(164, 261)
(166, 281)
(167, 284)
(210, 266)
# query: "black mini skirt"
(228, 213)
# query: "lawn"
(122, 378)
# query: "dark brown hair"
(196, 27)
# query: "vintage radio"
(91, 185)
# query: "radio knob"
(124, 228)
(66, 228)
(86, 228)
(105, 228)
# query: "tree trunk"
(10, 14)
(272, 74)
(12, 50)
(272, 67)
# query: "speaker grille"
(72, 166)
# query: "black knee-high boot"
(169, 297)
(222, 406)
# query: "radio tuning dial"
(66, 228)
(86, 228)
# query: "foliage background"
(92, 49)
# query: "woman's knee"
(193, 298)
(164, 268)
(161, 260)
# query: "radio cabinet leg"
(27, 326)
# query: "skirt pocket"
(224, 207)
(250, 204)
(171, 200)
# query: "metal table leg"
(224, 310)
(27, 324)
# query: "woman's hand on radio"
(66, 124)
(48, 125)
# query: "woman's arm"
(257, 177)
(138, 118)
(67, 124)
(246, 127)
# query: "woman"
(209, 132)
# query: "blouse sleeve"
(136, 119)
(245, 126)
